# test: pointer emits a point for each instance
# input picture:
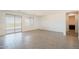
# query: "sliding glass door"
(9, 24)
(13, 23)
(18, 24)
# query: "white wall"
(78, 25)
(2, 26)
(54, 22)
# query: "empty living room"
(39, 29)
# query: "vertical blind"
(13, 23)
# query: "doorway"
(13, 24)
(72, 24)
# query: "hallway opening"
(72, 25)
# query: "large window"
(18, 23)
(29, 21)
(13, 23)
(9, 23)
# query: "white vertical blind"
(9, 23)
(17, 23)
(13, 23)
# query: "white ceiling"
(40, 12)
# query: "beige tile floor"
(39, 39)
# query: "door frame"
(76, 20)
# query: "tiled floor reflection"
(39, 39)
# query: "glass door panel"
(17, 23)
(9, 23)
